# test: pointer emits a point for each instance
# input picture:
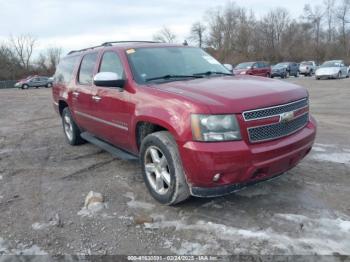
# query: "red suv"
(253, 68)
(197, 129)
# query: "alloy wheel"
(157, 170)
(68, 127)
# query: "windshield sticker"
(130, 51)
(211, 60)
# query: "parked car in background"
(196, 129)
(259, 68)
(332, 69)
(307, 68)
(34, 81)
(285, 69)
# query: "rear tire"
(70, 128)
(268, 75)
(48, 85)
(162, 169)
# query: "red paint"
(255, 70)
(170, 105)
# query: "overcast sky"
(74, 24)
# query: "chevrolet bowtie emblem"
(286, 117)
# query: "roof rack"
(110, 44)
(131, 41)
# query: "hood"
(327, 70)
(235, 94)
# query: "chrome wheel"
(68, 127)
(157, 170)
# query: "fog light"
(216, 177)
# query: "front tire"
(70, 128)
(339, 75)
(48, 85)
(162, 169)
(25, 86)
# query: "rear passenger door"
(82, 93)
(111, 106)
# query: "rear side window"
(86, 70)
(111, 63)
(64, 71)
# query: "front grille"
(274, 131)
(275, 110)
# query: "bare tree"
(54, 56)
(329, 12)
(343, 15)
(197, 33)
(23, 47)
(315, 16)
(165, 35)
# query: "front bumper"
(277, 74)
(240, 163)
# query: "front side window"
(148, 63)
(111, 63)
(87, 69)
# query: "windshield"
(281, 65)
(156, 62)
(306, 63)
(244, 65)
(331, 64)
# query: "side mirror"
(229, 67)
(108, 79)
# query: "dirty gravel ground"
(44, 181)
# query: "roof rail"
(131, 41)
(85, 49)
(110, 44)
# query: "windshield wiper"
(208, 73)
(165, 77)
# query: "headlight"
(215, 128)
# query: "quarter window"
(111, 63)
(65, 69)
(87, 69)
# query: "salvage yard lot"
(44, 181)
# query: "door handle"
(75, 93)
(96, 98)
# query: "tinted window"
(261, 65)
(111, 63)
(87, 69)
(148, 63)
(244, 65)
(65, 69)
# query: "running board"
(119, 153)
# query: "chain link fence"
(7, 84)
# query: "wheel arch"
(146, 126)
(62, 105)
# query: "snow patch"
(137, 204)
(304, 236)
(1, 177)
(318, 149)
(92, 210)
(341, 158)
